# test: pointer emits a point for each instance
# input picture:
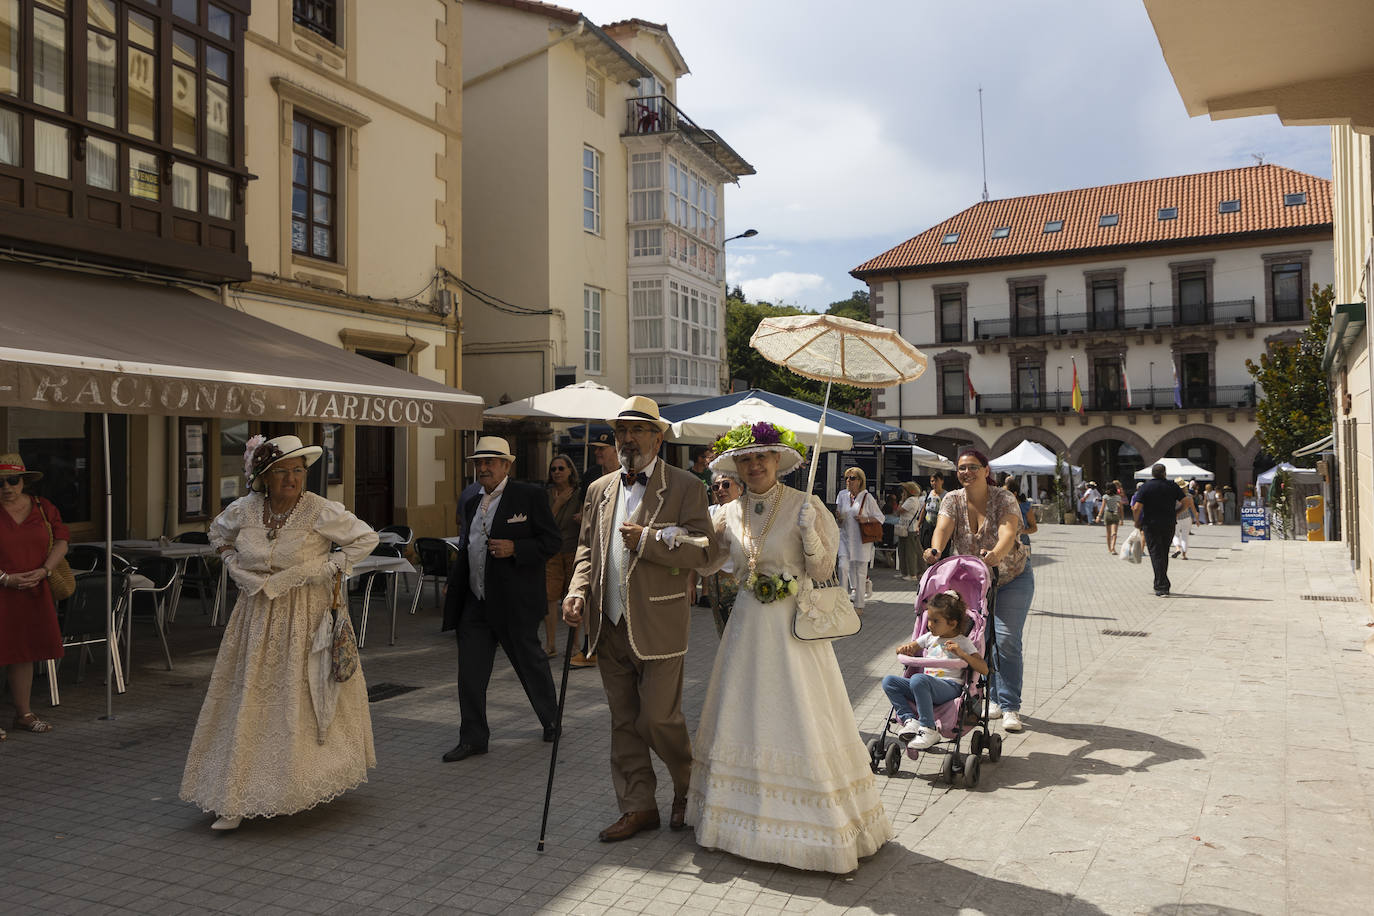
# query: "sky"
(861, 118)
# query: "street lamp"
(1058, 387)
(1152, 382)
(725, 280)
(746, 234)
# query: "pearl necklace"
(754, 546)
(274, 520)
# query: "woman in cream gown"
(260, 747)
(779, 772)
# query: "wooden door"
(374, 471)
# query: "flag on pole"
(1126, 383)
(1035, 387)
(1178, 391)
(972, 395)
(1077, 397)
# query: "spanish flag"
(1077, 392)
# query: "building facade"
(295, 162)
(594, 209)
(1151, 293)
(1308, 64)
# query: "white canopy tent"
(1030, 460)
(1300, 475)
(706, 428)
(1175, 468)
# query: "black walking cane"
(557, 733)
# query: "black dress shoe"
(549, 732)
(463, 752)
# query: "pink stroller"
(968, 712)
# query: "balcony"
(1198, 397)
(656, 114)
(1236, 311)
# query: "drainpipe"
(900, 414)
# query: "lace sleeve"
(724, 540)
(353, 535)
(224, 530)
(820, 565)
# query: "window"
(647, 243)
(1228, 206)
(1286, 286)
(1105, 295)
(596, 91)
(50, 55)
(646, 187)
(646, 314)
(1168, 213)
(591, 190)
(591, 329)
(314, 218)
(1192, 298)
(1030, 383)
(693, 202)
(316, 15)
(1054, 225)
(1001, 232)
(951, 317)
(648, 370)
(1106, 392)
(1027, 311)
(952, 390)
(1296, 199)
(950, 238)
(1109, 219)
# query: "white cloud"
(783, 286)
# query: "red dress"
(28, 619)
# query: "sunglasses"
(722, 485)
(12, 481)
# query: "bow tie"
(632, 479)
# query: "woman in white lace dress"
(264, 744)
(779, 772)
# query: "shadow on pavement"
(1069, 616)
(943, 887)
(1073, 768)
(1215, 597)
(1198, 909)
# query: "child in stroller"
(941, 693)
(947, 626)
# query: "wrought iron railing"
(1193, 397)
(1235, 311)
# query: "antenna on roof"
(1258, 157)
(982, 140)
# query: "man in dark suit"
(1155, 507)
(496, 593)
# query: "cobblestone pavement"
(1216, 760)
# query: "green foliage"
(1281, 498)
(1295, 407)
(741, 320)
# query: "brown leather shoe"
(679, 818)
(629, 824)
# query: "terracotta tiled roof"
(643, 23)
(1259, 189)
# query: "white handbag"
(824, 612)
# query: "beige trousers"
(645, 698)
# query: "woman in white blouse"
(855, 503)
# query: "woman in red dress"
(28, 617)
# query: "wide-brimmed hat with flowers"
(259, 454)
(13, 464)
(752, 438)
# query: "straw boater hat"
(491, 447)
(752, 438)
(13, 464)
(261, 454)
(640, 408)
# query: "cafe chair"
(84, 558)
(369, 580)
(150, 601)
(436, 559)
(198, 574)
(403, 533)
(84, 625)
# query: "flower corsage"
(772, 588)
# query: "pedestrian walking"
(1154, 509)
(276, 733)
(1110, 514)
(642, 534)
(1184, 517)
(983, 520)
(908, 532)
(855, 504)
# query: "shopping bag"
(1132, 548)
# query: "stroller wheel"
(947, 769)
(976, 742)
(894, 758)
(994, 748)
(875, 753)
(972, 764)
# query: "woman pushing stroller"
(946, 636)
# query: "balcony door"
(1029, 312)
(1107, 383)
(1030, 382)
(1105, 315)
(1192, 298)
(1196, 380)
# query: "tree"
(741, 320)
(1296, 404)
(856, 307)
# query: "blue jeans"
(1013, 604)
(925, 690)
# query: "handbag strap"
(338, 585)
(46, 524)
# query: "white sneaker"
(925, 737)
(226, 823)
(1011, 721)
(994, 711)
(868, 588)
(908, 730)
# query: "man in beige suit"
(643, 531)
